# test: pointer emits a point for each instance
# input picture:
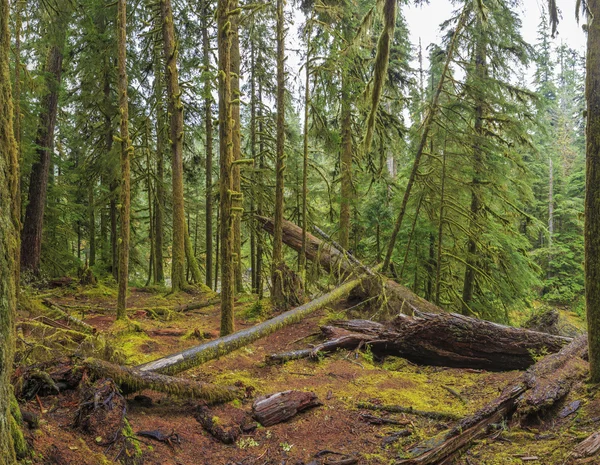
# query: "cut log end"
(280, 407)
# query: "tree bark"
(224, 11)
(207, 89)
(31, 245)
(396, 298)
(126, 154)
(8, 242)
(277, 285)
(592, 197)
(175, 110)
(198, 355)
(280, 407)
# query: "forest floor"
(341, 381)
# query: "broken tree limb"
(197, 355)
(548, 372)
(443, 416)
(277, 408)
(131, 379)
(82, 325)
(397, 298)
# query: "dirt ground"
(341, 381)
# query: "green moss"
(130, 435)
(258, 311)
(20, 444)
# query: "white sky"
(424, 22)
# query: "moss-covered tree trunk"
(209, 144)
(126, 152)
(159, 207)
(224, 10)
(277, 282)
(253, 230)
(305, 155)
(8, 242)
(31, 245)
(259, 202)
(480, 72)
(16, 178)
(346, 158)
(592, 198)
(92, 223)
(175, 109)
(237, 153)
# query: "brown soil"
(341, 381)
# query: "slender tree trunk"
(305, 157)
(438, 271)
(592, 198)
(427, 124)
(217, 249)
(346, 189)
(550, 212)
(175, 109)
(478, 169)
(150, 192)
(259, 206)
(8, 243)
(31, 246)
(254, 229)
(209, 145)
(237, 153)
(159, 208)
(114, 236)
(224, 11)
(16, 180)
(278, 295)
(92, 223)
(126, 154)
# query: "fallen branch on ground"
(211, 350)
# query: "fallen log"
(225, 435)
(216, 348)
(82, 325)
(277, 408)
(467, 342)
(131, 380)
(393, 296)
(547, 373)
(587, 449)
(443, 416)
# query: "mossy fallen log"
(60, 312)
(211, 350)
(394, 297)
(131, 379)
(466, 342)
(543, 377)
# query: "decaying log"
(197, 355)
(81, 325)
(277, 408)
(443, 416)
(587, 448)
(131, 380)
(546, 374)
(395, 297)
(466, 342)
(207, 420)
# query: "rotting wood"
(589, 447)
(211, 350)
(395, 297)
(225, 435)
(442, 416)
(277, 408)
(546, 374)
(82, 325)
(131, 380)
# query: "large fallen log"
(544, 376)
(444, 339)
(131, 379)
(216, 348)
(395, 297)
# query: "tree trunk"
(277, 408)
(305, 157)
(259, 203)
(31, 245)
(237, 153)
(8, 243)
(126, 154)
(468, 342)
(277, 286)
(175, 110)
(592, 197)
(224, 11)
(198, 355)
(92, 223)
(15, 187)
(397, 298)
(209, 144)
(346, 157)
(427, 124)
(159, 208)
(478, 171)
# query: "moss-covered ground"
(342, 381)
